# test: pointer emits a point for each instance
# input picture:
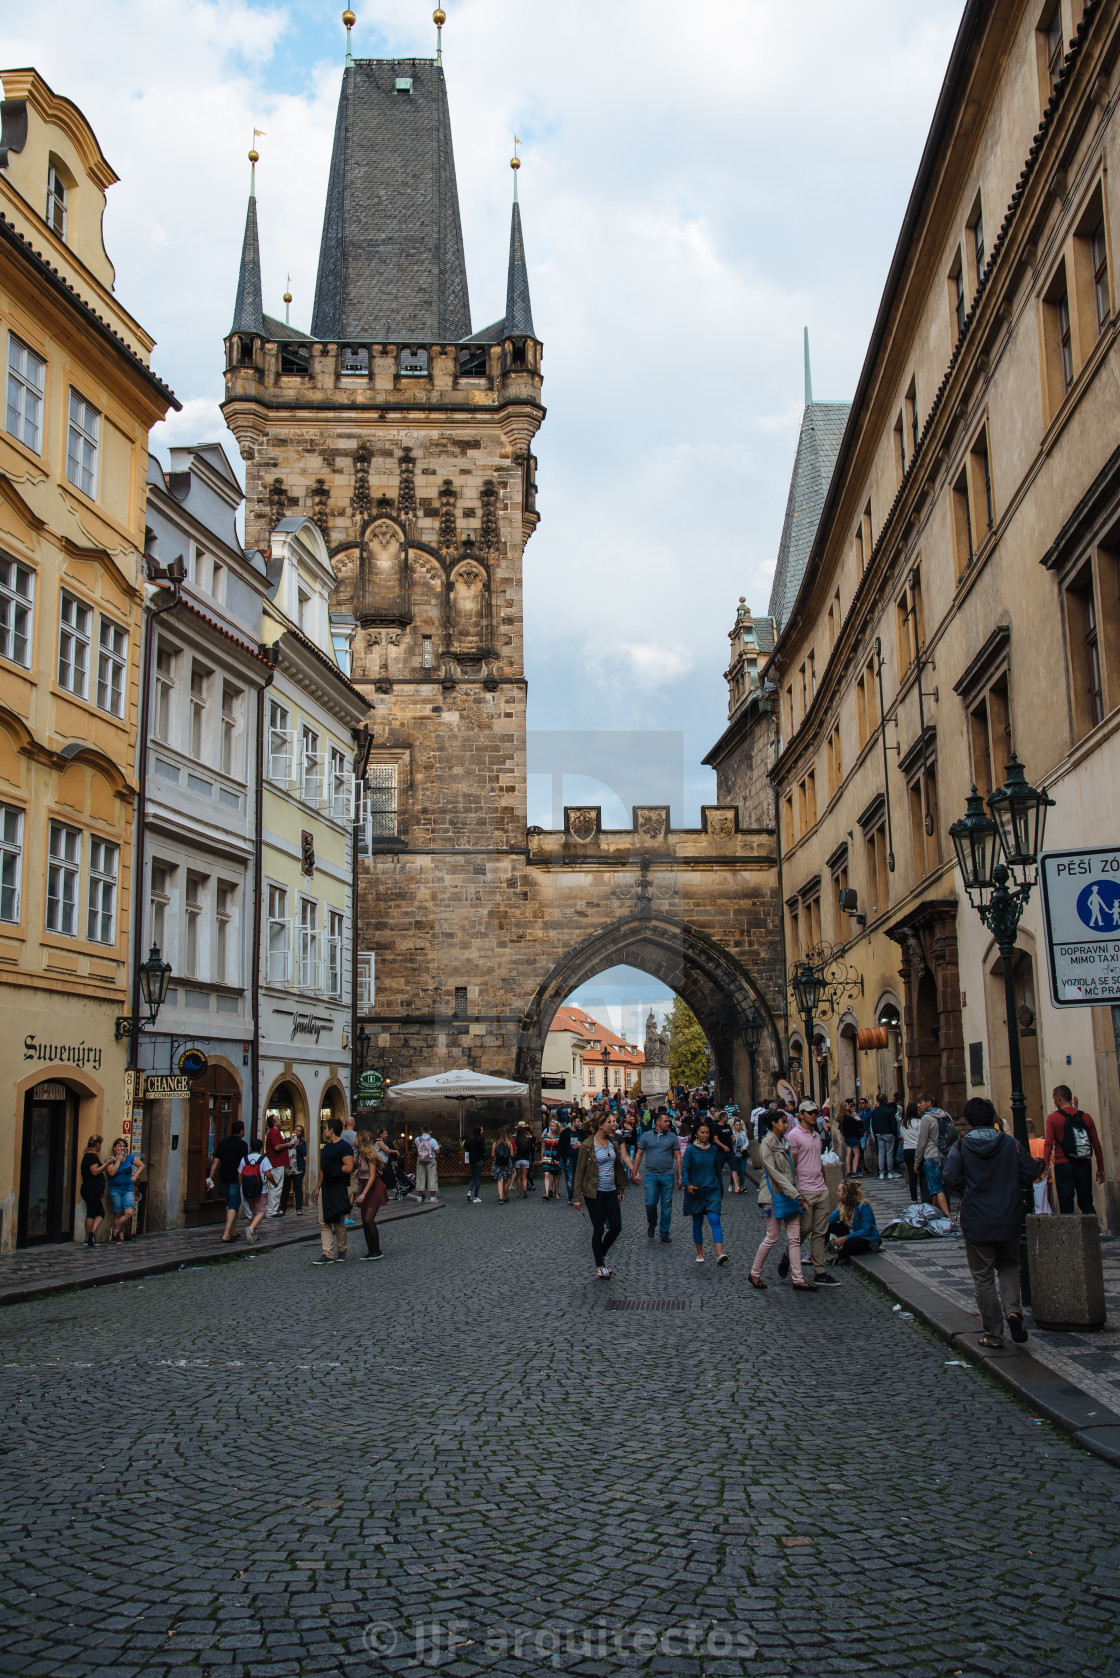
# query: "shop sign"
(174, 1086)
(193, 1063)
(371, 1088)
(49, 1092)
(1081, 915)
(66, 1054)
(553, 1081)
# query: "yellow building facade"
(959, 600)
(73, 459)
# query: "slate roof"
(391, 263)
(519, 314)
(248, 310)
(822, 428)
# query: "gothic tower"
(406, 437)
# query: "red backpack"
(252, 1183)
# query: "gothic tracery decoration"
(448, 540)
(406, 490)
(360, 500)
(320, 505)
(488, 535)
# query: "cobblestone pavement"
(268, 1468)
(1091, 1360)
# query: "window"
(101, 913)
(812, 674)
(1065, 336)
(294, 358)
(158, 900)
(353, 361)
(1100, 275)
(56, 202)
(11, 860)
(426, 652)
(1057, 337)
(867, 710)
(364, 965)
(811, 796)
(303, 610)
(340, 785)
(834, 762)
(308, 944)
(200, 567)
(989, 730)
(193, 916)
(1053, 48)
(278, 960)
(81, 445)
(810, 928)
(27, 374)
(794, 933)
(343, 653)
(64, 855)
(978, 243)
(17, 594)
(334, 953)
(834, 620)
(112, 664)
(925, 837)
(802, 808)
(982, 479)
(217, 581)
(198, 711)
(958, 302)
(875, 847)
(912, 415)
(789, 709)
(962, 525)
(840, 922)
(224, 899)
(788, 824)
(867, 543)
(900, 448)
(73, 645)
(589, 1074)
(381, 782)
(414, 362)
(311, 767)
(910, 623)
(861, 560)
(165, 688)
(1092, 602)
(230, 698)
(280, 743)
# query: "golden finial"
(288, 301)
(515, 164)
(439, 18)
(348, 21)
(254, 156)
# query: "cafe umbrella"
(461, 1085)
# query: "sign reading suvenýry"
(1081, 910)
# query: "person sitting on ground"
(851, 1227)
(993, 1172)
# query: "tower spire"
(808, 373)
(348, 21)
(519, 313)
(248, 308)
(439, 18)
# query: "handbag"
(785, 1205)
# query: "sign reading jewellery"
(66, 1054)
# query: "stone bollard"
(756, 1154)
(1067, 1277)
(833, 1177)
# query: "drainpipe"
(364, 741)
(886, 748)
(272, 654)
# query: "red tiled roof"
(582, 1024)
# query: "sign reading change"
(1081, 908)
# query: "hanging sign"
(193, 1063)
(172, 1086)
(1081, 915)
(371, 1088)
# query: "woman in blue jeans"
(703, 1191)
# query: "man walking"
(278, 1163)
(805, 1147)
(992, 1171)
(1072, 1140)
(884, 1128)
(427, 1170)
(331, 1193)
(228, 1154)
(723, 1141)
(927, 1151)
(660, 1154)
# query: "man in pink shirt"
(805, 1146)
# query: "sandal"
(755, 1281)
(993, 1345)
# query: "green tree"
(688, 1059)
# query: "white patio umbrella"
(461, 1085)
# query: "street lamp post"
(155, 976)
(819, 981)
(606, 1069)
(991, 851)
(808, 982)
(752, 1038)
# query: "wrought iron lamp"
(155, 976)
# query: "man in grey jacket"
(927, 1152)
(993, 1172)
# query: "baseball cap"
(808, 1107)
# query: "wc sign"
(1081, 910)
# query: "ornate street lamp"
(752, 1038)
(818, 982)
(155, 976)
(990, 852)
(606, 1069)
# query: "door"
(215, 1103)
(46, 1199)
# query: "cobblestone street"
(266, 1468)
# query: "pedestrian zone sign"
(1081, 909)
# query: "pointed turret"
(248, 308)
(519, 313)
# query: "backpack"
(425, 1153)
(252, 1182)
(946, 1133)
(503, 1153)
(1075, 1123)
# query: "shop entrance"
(215, 1103)
(46, 1191)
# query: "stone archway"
(714, 984)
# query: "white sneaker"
(699, 1258)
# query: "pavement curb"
(1089, 1423)
(217, 1254)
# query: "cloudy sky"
(699, 183)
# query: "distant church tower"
(406, 437)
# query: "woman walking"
(780, 1202)
(911, 1123)
(851, 1129)
(552, 1166)
(522, 1158)
(372, 1193)
(703, 1191)
(501, 1167)
(740, 1153)
(475, 1156)
(123, 1172)
(93, 1188)
(601, 1181)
